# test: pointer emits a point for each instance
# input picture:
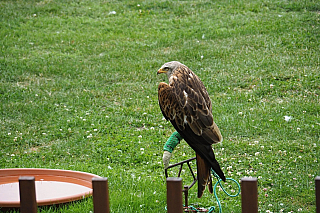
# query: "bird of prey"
(186, 104)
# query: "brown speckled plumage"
(186, 104)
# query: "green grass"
(78, 91)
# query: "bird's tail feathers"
(203, 176)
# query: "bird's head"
(169, 68)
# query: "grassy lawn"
(78, 91)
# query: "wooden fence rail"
(174, 195)
(27, 192)
(249, 195)
(100, 195)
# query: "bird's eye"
(166, 68)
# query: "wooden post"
(27, 191)
(100, 195)
(174, 195)
(249, 195)
(317, 180)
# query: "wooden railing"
(249, 195)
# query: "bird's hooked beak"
(161, 71)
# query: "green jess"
(172, 142)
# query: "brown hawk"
(186, 104)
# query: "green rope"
(215, 191)
(212, 208)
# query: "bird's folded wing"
(185, 101)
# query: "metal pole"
(249, 195)
(317, 180)
(186, 192)
(27, 190)
(174, 195)
(100, 195)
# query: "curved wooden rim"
(68, 176)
